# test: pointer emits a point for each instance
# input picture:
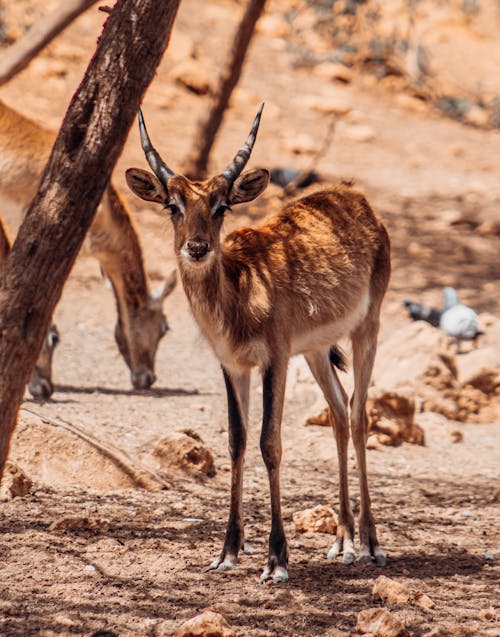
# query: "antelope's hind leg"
(364, 346)
(326, 377)
(237, 388)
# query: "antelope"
(309, 276)
(24, 149)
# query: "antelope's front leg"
(270, 443)
(237, 388)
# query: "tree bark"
(87, 146)
(19, 55)
(196, 163)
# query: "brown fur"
(314, 273)
(113, 240)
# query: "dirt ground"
(86, 550)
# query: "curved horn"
(239, 162)
(159, 167)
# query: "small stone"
(321, 419)
(359, 133)
(320, 519)
(325, 105)
(373, 442)
(423, 600)
(457, 436)
(209, 623)
(477, 116)
(489, 556)
(390, 591)
(15, 483)
(185, 450)
(380, 622)
(487, 614)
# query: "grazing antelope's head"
(138, 336)
(197, 208)
(40, 384)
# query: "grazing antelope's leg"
(238, 390)
(327, 379)
(274, 380)
(364, 345)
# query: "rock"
(321, 419)
(320, 519)
(477, 116)
(79, 524)
(380, 623)
(390, 591)
(456, 436)
(208, 624)
(391, 417)
(15, 483)
(496, 496)
(412, 103)
(487, 614)
(423, 600)
(373, 442)
(185, 450)
(194, 76)
(334, 72)
(330, 105)
(359, 132)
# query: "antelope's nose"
(197, 249)
(41, 388)
(143, 379)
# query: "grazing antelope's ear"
(145, 185)
(249, 185)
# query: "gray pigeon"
(458, 320)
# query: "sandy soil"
(86, 551)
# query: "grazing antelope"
(24, 149)
(311, 275)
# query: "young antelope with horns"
(311, 275)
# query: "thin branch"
(19, 55)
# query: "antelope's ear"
(249, 185)
(145, 185)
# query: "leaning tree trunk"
(19, 55)
(196, 163)
(89, 142)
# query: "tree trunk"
(89, 142)
(195, 165)
(20, 54)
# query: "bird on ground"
(458, 320)
(423, 313)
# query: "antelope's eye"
(220, 210)
(174, 208)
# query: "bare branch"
(19, 55)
